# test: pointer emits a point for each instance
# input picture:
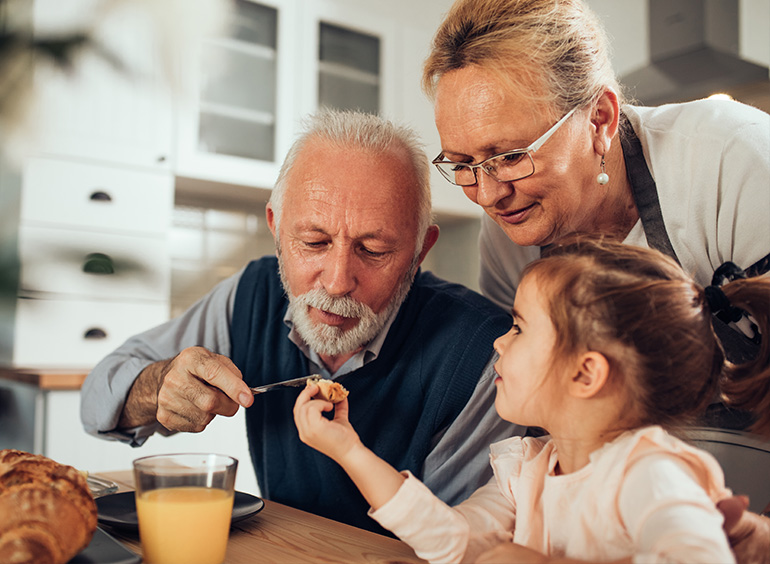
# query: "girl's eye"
(516, 329)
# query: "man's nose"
(489, 191)
(339, 276)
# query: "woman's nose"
(489, 191)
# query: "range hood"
(694, 52)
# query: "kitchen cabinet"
(85, 217)
(110, 109)
(286, 59)
(349, 58)
(88, 253)
(237, 120)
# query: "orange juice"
(185, 525)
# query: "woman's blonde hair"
(557, 46)
(653, 323)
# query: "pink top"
(646, 494)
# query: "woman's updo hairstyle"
(558, 45)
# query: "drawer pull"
(98, 263)
(100, 196)
(95, 333)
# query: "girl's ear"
(593, 370)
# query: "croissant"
(329, 390)
(47, 511)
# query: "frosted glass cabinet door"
(235, 130)
(351, 55)
(349, 69)
(238, 86)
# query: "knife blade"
(293, 383)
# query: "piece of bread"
(329, 390)
(47, 511)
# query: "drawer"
(77, 333)
(93, 265)
(96, 196)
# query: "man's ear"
(605, 119)
(270, 216)
(593, 370)
(431, 236)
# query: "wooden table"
(282, 534)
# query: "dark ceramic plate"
(119, 510)
(104, 549)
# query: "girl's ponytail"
(747, 385)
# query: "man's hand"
(187, 392)
(749, 533)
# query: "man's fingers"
(220, 372)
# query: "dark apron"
(738, 347)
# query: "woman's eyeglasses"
(503, 167)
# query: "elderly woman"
(534, 129)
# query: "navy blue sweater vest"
(427, 369)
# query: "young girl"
(611, 344)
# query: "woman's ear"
(593, 370)
(605, 118)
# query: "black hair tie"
(727, 272)
(718, 303)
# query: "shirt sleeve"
(206, 323)
(458, 464)
(669, 516)
(439, 533)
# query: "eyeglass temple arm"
(539, 143)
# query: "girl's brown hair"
(654, 325)
(558, 46)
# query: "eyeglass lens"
(507, 167)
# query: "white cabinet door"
(70, 333)
(73, 194)
(238, 122)
(349, 55)
(99, 112)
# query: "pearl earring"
(603, 178)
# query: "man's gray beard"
(333, 341)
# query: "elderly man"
(350, 215)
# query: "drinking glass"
(184, 504)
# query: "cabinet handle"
(95, 333)
(100, 196)
(98, 263)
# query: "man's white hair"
(366, 131)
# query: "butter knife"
(294, 383)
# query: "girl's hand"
(377, 480)
(333, 438)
